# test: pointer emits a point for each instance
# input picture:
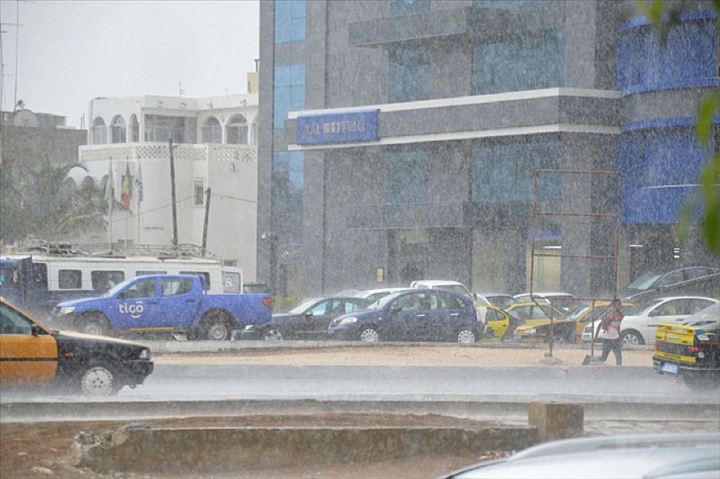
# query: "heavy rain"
(341, 239)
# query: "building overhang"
(553, 110)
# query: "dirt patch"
(449, 355)
(29, 450)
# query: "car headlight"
(350, 320)
(66, 310)
(530, 331)
(144, 354)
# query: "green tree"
(44, 202)
(665, 15)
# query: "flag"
(110, 189)
(139, 184)
(127, 188)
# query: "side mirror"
(395, 308)
(36, 330)
(308, 314)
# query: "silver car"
(664, 456)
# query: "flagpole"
(139, 193)
(110, 194)
(127, 210)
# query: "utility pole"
(207, 221)
(172, 197)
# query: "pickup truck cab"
(31, 354)
(164, 303)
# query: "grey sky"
(72, 51)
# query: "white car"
(660, 456)
(640, 328)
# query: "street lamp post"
(90, 124)
(271, 238)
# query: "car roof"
(435, 282)
(654, 455)
(545, 295)
(370, 292)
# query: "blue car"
(413, 315)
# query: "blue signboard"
(350, 127)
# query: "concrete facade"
(214, 150)
(358, 226)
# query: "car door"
(178, 301)
(306, 325)
(25, 358)
(408, 317)
(671, 311)
(323, 314)
(136, 306)
(444, 317)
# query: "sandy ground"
(42, 449)
(445, 355)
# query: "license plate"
(669, 368)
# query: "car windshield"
(304, 305)
(649, 306)
(643, 282)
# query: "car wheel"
(95, 324)
(369, 335)
(272, 334)
(99, 380)
(632, 338)
(216, 327)
(466, 336)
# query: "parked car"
(530, 314)
(497, 322)
(570, 328)
(660, 456)
(640, 328)
(685, 281)
(414, 315)
(691, 350)
(447, 285)
(167, 303)
(564, 302)
(31, 354)
(308, 320)
(373, 295)
(501, 300)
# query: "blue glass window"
(408, 75)
(687, 59)
(408, 7)
(659, 168)
(289, 92)
(407, 177)
(519, 63)
(504, 173)
(290, 20)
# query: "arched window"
(99, 132)
(212, 131)
(118, 132)
(237, 130)
(134, 129)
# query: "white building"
(213, 148)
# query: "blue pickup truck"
(164, 303)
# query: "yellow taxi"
(31, 354)
(568, 329)
(497, 322)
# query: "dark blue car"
(413, 315)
